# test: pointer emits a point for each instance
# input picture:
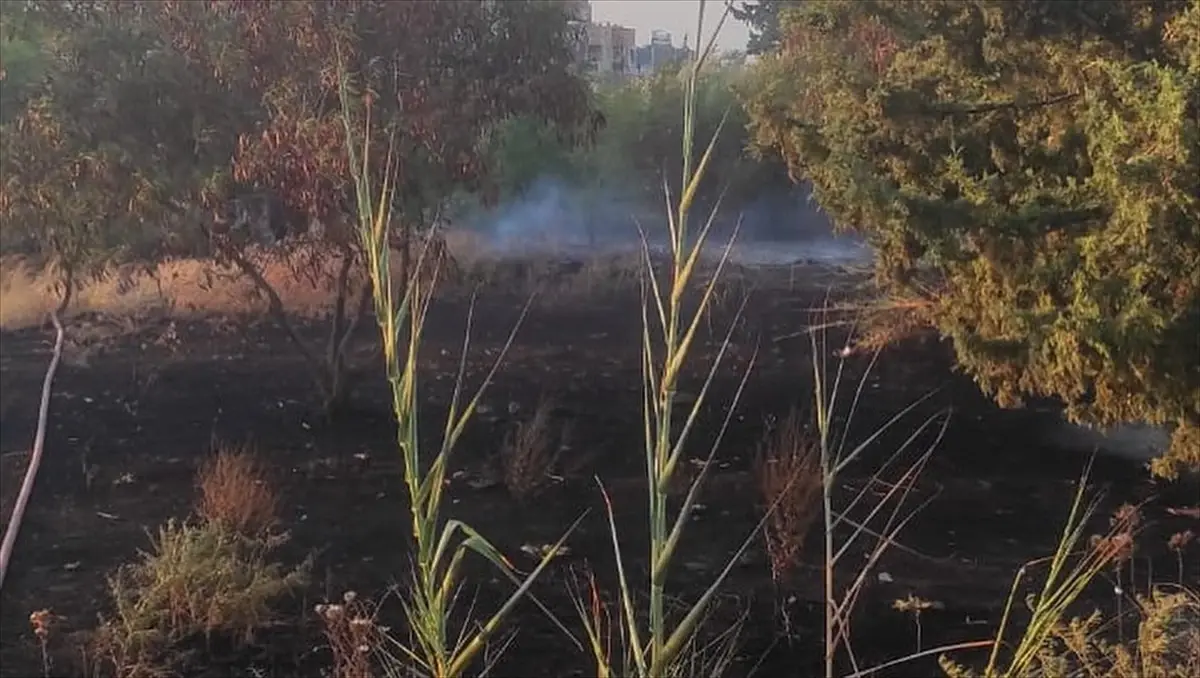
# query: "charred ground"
(129, 428)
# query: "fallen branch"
(39, 440)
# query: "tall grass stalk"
(1070, 570)
(1065, 582)
(440, 545)
(666, 648)
(864, 517)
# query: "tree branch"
(276, 310)
(980, 109)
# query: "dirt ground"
(129, 427)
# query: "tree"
(632, 142)
(21, 61)
(151, 109)
(1030, 170)
(105, 140)
(762, 16)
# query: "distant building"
(603, 49)
(659, 54)
(610, 48)
(611, 51)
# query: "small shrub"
(530, 454)
(196, 579)
(235, 493)
(789, 477)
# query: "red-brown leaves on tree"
(302, 161)
(193, 96)
(877, 42)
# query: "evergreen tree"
(1031, 169)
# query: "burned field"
(131, 424)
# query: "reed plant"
(868, 522)
(439, 545)
(653, 642)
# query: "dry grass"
(789, 477)
(236, 494)
(1167, 644)
(178, 288)
(888, 322)
(530, 454)
(194, 288)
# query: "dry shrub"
(1167, 644)
(888, 322)
(197, 579)
(530, 454)
(789, 476)
(353, 635)
(235, 492)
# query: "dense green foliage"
(762, 16)
(637, 146)
(125, 118)
(20, 63)
(161, 111)
(1030, 169)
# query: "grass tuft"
(236, 494)
(530, 454)
(206, 577)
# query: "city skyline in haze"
(677, 17)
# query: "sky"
(675, 16)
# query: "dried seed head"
(332, 612)
(41, 621)
(1180, 540)
(349, 597)
(1127, 515)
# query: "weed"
(353, 635)
(669, 328)
(529, 455)
(235, 492)
(876, 521)
(440, 546)
(789, 477)
(196, 579)
(1066, 579)
(1167, 644)
(914, 606)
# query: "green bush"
(1030, 170)
(638, 143)
(197, 579)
